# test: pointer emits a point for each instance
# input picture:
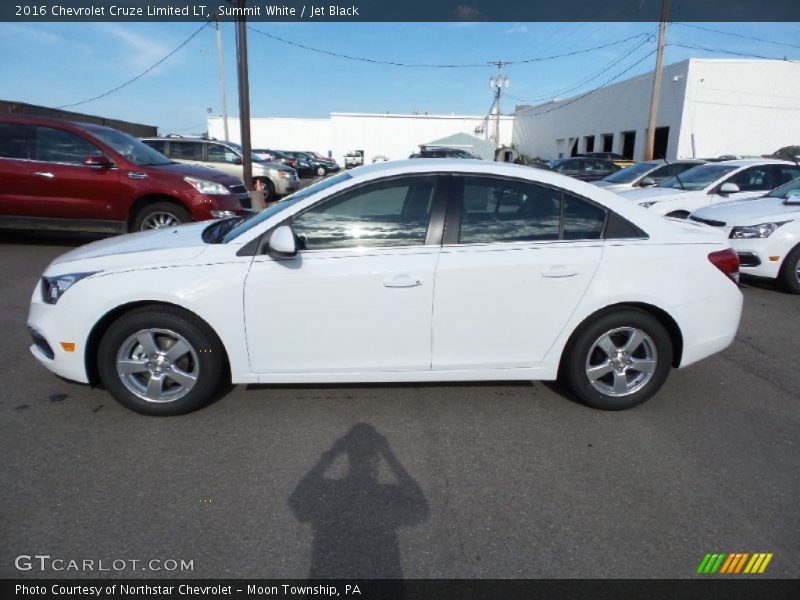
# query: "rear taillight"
(726, 261)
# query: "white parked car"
(713, 183)
(765, 232)
(645, 174)
(418, 270)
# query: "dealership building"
(394, 136)
(708, 108)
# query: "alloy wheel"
(160, 220)
(621, 361)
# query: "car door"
(224, 159)
(16, 170)
(516, 260)
(65, 188)
(358, 296)
(186, 151)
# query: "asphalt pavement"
(499, 480)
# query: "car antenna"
(676, 176)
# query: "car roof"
(748, 162)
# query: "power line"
(737, 35)
(590, 92)
(732, 52)
(584, 81)
(140, 75)
(437, 65)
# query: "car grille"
(237, 189)
(711, 222)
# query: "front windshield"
(630, 174)
(288, 201)
(787, 189)
(130, 148)
(697, 178)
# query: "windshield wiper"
(676, 176)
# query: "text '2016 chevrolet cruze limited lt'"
(438, 270)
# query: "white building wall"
(712, 107)
(549, 130)
(743, 107)
(394, 136)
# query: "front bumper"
(760, 257)
(286, 185)
(52, 327)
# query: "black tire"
(268, 189)
(151, 212)
(321, 171)
(679, 214)
(789, 276)
(206, 360)
(621, 323)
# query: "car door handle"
(401, 281)
(45, 174)
(558, 271)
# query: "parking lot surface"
(497, 480)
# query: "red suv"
(78, 176)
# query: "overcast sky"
(56, 64)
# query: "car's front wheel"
(160, 215)
(320, 171)
(618, 360)
(160, 361)
(790, 272)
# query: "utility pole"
(651, 126)
(244, 96)
(221, 64)
(498, 83)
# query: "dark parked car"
(303, 168)
(321, 166)
(617, 159)
(431, 152)
(585, 169)
(84, 177)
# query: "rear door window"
(60, 146)
(186, 150)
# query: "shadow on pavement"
(355, 518)
(68, 239)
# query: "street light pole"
(654, 98)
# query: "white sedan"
(405, 271)
(713, 183)
(765, 232)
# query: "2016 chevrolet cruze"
(439, 270)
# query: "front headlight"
(54, 287)
(223, 214)
(762, 230)
(648, 204)
(206, 187)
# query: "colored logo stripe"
(735, 562)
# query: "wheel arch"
(669, 323)
(146, 199)
(102, 325)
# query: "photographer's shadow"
(355, 518)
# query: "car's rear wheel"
(160, 361)
(160, 215)
(790, 272)
(618, 360)
(268, 189)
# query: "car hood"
(274, 165)
(185, 170)
(158, 247)
(657, 193)
(750, 211)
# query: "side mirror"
(728, 188)
(97, 161)
(282, 243)
(647, 182)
